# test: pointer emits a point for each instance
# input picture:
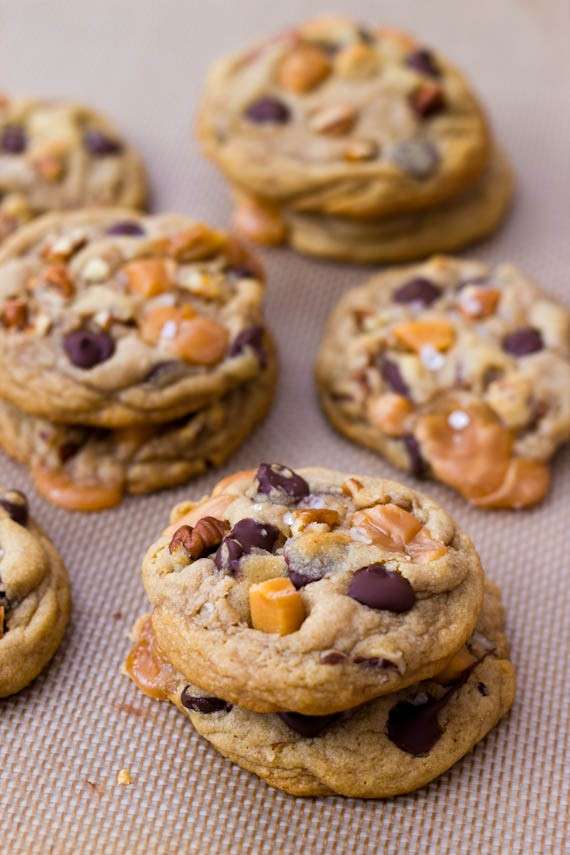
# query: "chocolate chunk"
(250, 533)
(373, 662)
(418, 466)
(86, 349)
(299, 580)
(333, 658)
(422, 60)
(16, 506)
(308, 726)
(128, 228)
(413, 727)
(250, 337)
(378, 588)
(427, 100)
(68, 450)
(365, 35)
(203, 704)
(268, 110)
(100, 145)
(482, 689)
(228, 556)
(277, 480)
(392, 375)
(419, 290)
(239, 272)
(417, 158)
(13, 139)
(523, 341)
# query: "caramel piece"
(390, 413)
(154, 321)
(147, 277)
(59, 489)
(259, 222)
(357, 61)
(388, 525)
(200, 341)
(303, 68)
(145, 666)
(414, 335)
(276, 606)
(458, 663)
(526, 483)
(479, 303)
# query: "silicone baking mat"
(63, 740)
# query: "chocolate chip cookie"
(55, 155)
(456, 370)
(311, 591)
(340, 119)
(459, 221)
(34, 595)
(392, 745)
(114, 319)
(90, 469)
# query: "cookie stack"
(133, 352)
(354, 144)
(456, 370)
(330, 633)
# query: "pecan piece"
(206, 535)
(15, 313)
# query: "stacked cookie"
(133, 353)
(456, 370)
(354, 144)
(330, 633)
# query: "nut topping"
(15, 313)
(334, 121)
(204, 538)
(304, 68)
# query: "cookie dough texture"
(34, 596)
(456, 223)
(453, 369)
(327, 526)
(114, 319)
(55, 155)
(326, 119)
(85, 468)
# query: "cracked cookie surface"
(389, 746)
(311, 591)
(335, 118)
(453, 369)
(90, 469)
(114, 319)
(55, 155)
(34, 595)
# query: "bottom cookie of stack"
(386, 747)
(472, 215)
(90, 469)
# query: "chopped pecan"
(15, 313)
(57, 276)
(206, 535)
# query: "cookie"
(310, 591)
(389, 746)
(455, 370)
(34, 595)
(337, 119)
(460, 221)
(115, 319)
(55, 155)
(90, 469)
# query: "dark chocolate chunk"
(299, 580)
(392, 375)
(268, 110)
(228, 555)
(427, 100)
(523, 341)
(128, 228)
(308, 726)
(422, 60)
(417, 158)
(250, 337)
(85, 349)
(418, 466)
(274, 479)
(16, 506)
(413, 727)
(482, 689)
(202, 703)
(333, 658)
(378, 588)
(250, 533)
(13, 139)
(99, 144)
(419, 290)
(373, 662)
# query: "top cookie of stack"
(335, 121)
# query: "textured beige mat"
(64, 739)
